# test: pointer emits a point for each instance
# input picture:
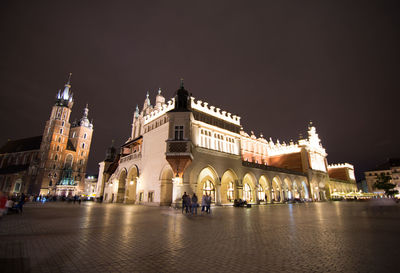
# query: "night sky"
(277, 64)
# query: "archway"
(276, 195)
(166, 186)
(249, 188)
(296, 190)
(304, 191)
(263, 182)
(206, 184)
(131, 183)
(228, 187)
(121, 186)
(286, 189)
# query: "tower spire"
(69, 78)
(181, 86)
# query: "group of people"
(11, 204)
(190, 204)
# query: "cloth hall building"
(186, 145)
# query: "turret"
(84, 121)
(182, 99)
(160, 100)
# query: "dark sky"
(277, 64)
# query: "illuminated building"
(186, 145)
(390, 168)
(54, 163)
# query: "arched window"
(68, 161)
(208, 188)
(58, 148)
(85, 136)
(83, 145)
(59, 139)
(56, 157)
(231, 192)
(61, 131)
(247, 192)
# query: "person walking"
(194, 204)
(203, 202)
(21, 203)
(183, 201)
(188, 204)
(208, 204)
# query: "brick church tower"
(64, 149)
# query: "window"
(58, 148)
(179, 132)
(150, 196)
(17, 187)
(51, 183)
(141, 197)
(62, 124)
(59, 139)
(83, 145)
(61, 131)
(82, 153)
(56, 157)
(73, 134)
(85, 136)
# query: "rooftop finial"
(69, 79)
(159, 91)
(182, 83)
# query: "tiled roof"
(13, 169)
(20, 145)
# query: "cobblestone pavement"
(314, 237)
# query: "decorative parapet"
(158, 113)
(340, 165)
(214, 111)
(280, 149)
(130, 157)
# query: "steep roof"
(20, 145)
(14, 169)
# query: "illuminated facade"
(186, 145)
(390, 168)
(54, 163)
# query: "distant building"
(90, 186)
(54, 163)
(362, 185)
(391, 168)
(185, 145)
